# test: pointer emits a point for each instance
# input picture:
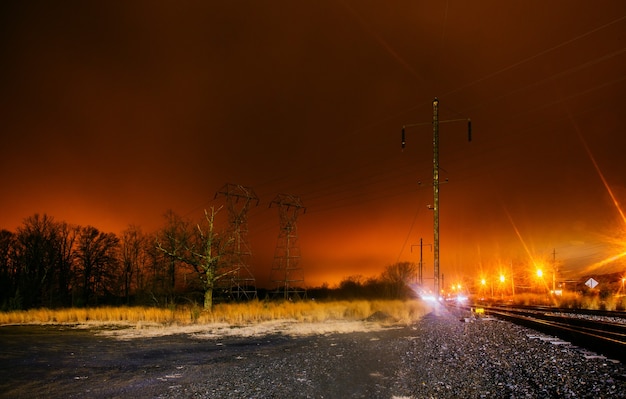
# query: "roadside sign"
(591, 283)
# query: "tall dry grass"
(572, 300)
(234, 313)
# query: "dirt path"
(61, 362)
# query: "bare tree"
(175, 233)
(8, 284)
(63, 278)
(351, 286)
(97, 263)
(133, 258)
(36, 263)
(155, 284)
(37, 259)
(397, 276)
(201, 248)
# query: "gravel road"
(441, 356)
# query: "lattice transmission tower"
(286, 274)
(239, 281)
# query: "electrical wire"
(340, 189)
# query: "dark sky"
(114, 112)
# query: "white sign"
(591, 283)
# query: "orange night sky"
(114, 112)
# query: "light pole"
(436, 193)
(435, 123)
(421, 264)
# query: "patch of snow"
(222, 330)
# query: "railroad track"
(605, 337)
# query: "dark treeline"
(53, 264)
(391, 284)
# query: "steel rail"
(610, 340)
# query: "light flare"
(383, 43)
(616, 203)
(424, 294)
(519, 235)
(600, 174)
(606, 261)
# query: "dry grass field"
(572, 300)
(235, 314)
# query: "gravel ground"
(495, 359)
(441, 356)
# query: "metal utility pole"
(554, 271)
(420, 279)
(241, 283)
(436, 194)
(286, 272)
(435, 124)
(512, 280)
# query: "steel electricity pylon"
(435, 208)
(239, 281)
(287, 274)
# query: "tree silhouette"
(97, 256)
(396, 277)
(201, 248)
